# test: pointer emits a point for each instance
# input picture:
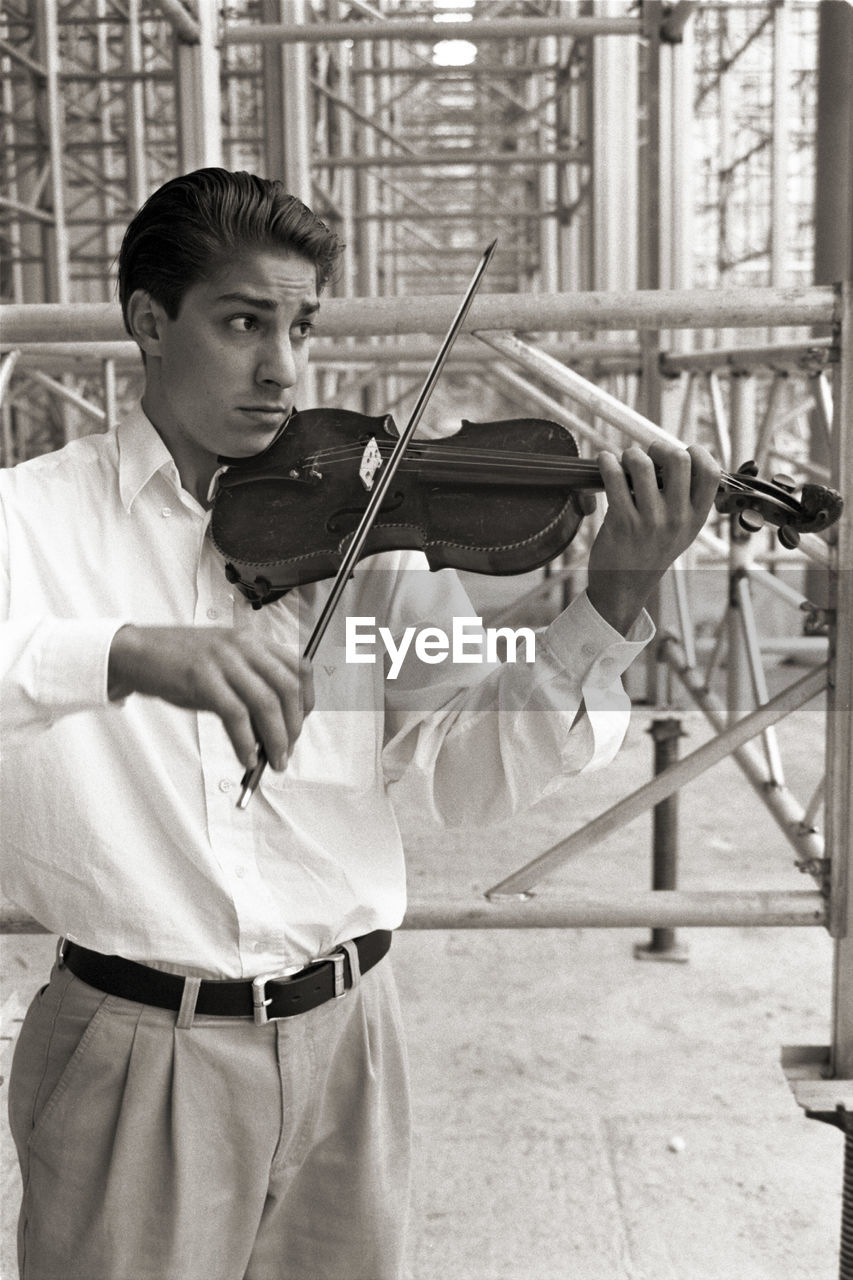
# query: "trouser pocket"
(56, 1031)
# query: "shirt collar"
(141, 455)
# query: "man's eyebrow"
(307, 308)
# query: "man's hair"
(193, 224)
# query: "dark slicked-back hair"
(194, 224)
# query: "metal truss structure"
(643, 284)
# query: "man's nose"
(277, 364)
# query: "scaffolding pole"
(427, 31)
(381, 317)
(664, 785)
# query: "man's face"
(229, 363)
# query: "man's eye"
(242, 324)
(303, 328)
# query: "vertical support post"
(57, 255)
(137, 165)
(738, 680)
(297, 107)
(549, 243)
(833, 231)
(198, 95)
(614, 180)
(677, 182)
(675, 111)
(390, 388)
(367, 194)
(650, 261)
(9, 157)
(664, 945)
(575, 255)
(298, 126)
(367, 197)
(833, 261)
(834, 145)
(345, 176)
(288, 118)
(779, 149)
(109, 152)
(839, 753)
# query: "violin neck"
(544, 472)
(553, 473)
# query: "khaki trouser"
(218, 1150)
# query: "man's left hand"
(657, 503)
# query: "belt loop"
(354, 967)
(186, 1013)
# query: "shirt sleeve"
(476, 742)
(49, 666)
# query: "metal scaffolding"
(649, 172)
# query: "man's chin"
(248, 442)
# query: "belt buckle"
(261, 1001)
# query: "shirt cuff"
(69, 664)
(597, 655)
(580, 639)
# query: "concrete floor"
(581, 1115)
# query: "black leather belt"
(267, 997)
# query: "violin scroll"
(758, 502)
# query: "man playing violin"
(188, 1098)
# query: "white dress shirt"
(119, 820)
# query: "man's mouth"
(264, 415)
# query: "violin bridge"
(371, 461)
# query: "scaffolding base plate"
(677, 953)
(806, 1069)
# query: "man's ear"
(145, 318)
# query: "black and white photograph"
(426, 640)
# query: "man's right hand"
(261, 695)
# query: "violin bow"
(253, 775)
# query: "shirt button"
(166, 512)
(257, 947)
(212, 613)
(240, 872)
(226, 784)
(588, 649)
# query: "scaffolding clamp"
(818, 619)
(818, 868)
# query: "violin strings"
(427, 453)
(431, 454)
(427, 450)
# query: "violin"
(495, 498)
(498, 497)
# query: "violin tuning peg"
(789, 537)
(749, 468)
(750, 520)
(785, 482)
